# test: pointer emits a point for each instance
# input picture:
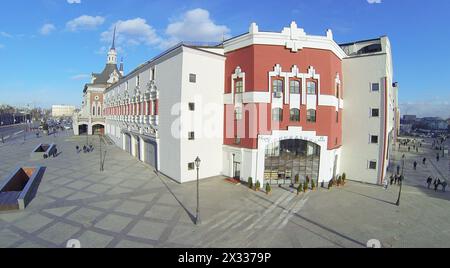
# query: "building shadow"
(191, 216)
(328, 229)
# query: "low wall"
(43, 151)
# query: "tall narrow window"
(99, 111)
(93, 110)
(295, 87)
(153, 73)
(277, 114)
(277, 86)
(239, 86)
(238, 113)
(295, 115)
(311, 116)
(338, 89)
(138, 80)
(311, 88)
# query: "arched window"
(93, 110)
(311, 88)
(99, 111)
(277, 86)
(277, 114)
(338, 89)
(239, 86)
(295, 115)
(295, 87)
(311, 116)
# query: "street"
(13, 133)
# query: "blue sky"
(48, 48)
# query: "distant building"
(410, 118)
(63, 111)
(91, 120)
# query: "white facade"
(63, 110)
(163, 91)
(364, 159)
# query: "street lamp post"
(401, 181)
(197, 164)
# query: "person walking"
(436, 184)
(395, 179)
(78, 149)
(429, 182)
(437, 157)
(415, 165)
(409, 149)
(444, 185)
(398, 170)
(392, 179)
(424, 161)
(386, 185)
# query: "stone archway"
(98, 129)
(83, 129)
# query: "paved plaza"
(129, 205)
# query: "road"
(14, 132)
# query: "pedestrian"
(415, 165)
(395, 179)
(437, 157)
(386, 185)
(436, 185)
(444, 185)
(424, 161)
(417, 149)
(429, 181)
(398, 170)
(392, 179)
(409, 149)
(84, 149)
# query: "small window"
(238, 113)
(375, 112)
(311, 88)
(277, 114)
(239, 86)
(375, 87)
(374, 139)
(193, 78)
(191, 136)
(294, 87)
(277, 86)
(311, 116)
(372, 165)
(295, 115)
(191, 106)
(191, 166)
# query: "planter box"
(17, 191)
(43, 151)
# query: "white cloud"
(197, 25)
(374, 1)
(426, 108)
(6, 35)
(47, 29)
(132, 32)
(84, 22)
(74, 1)
(80, 77)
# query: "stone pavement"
(129, 205)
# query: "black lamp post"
(401, 181)
(197, 164)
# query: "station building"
(271, 106)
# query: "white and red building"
(266, 105)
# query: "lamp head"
(197, 162)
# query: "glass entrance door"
(237, 170)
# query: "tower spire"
(114, 38)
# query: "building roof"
(103, 77)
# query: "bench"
(20, 187)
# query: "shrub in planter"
(250, 182)
(305, 187)
(300, 188)
(313, 185)
(344, 178)
(258, 186)
(268, 189)
(297, 179)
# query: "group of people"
(437, 182)
(412, 144)
(86, 149)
